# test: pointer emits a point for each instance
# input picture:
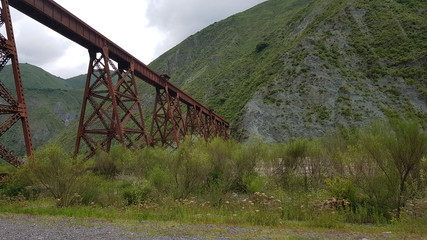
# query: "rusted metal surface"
(13, 109)
(168, 123)
(111, 108)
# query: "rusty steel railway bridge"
(111, 110)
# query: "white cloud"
(35, 44)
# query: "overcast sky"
(144, 28)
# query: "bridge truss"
(111, 109)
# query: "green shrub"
(254, 183)
(161, 180)
(137, 192)
(190, 168)
(342, 188)
(287, 158)
(58, 173)
(12, 189)
(105, 165)
(261, 46)
(398, 150)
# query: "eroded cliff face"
(344, 71)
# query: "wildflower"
(227, 202)
(256, 210)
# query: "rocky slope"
(298, 68)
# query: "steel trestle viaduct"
(111, 109)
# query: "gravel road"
(16, 226)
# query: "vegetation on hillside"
(32, 78)
(372, 175)
(290, 68)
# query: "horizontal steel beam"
(52, 15)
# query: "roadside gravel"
(16, 226)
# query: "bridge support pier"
(12, 109)
(167, 128)
(111, 110)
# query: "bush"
(397, 150)
(105, 164)
(58, 173)
(254, 183)
(12, 189)
(342, 188)
(287, 159)
(137, 192)
(161, 180)
(261, 46)
(190, 168)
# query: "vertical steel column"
(203, 125)
(190, 126)
(128, 102)
(113, 98)
(209, 126)
(15, 107)
(199, 123)
(167, 128)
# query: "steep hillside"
(33, 78)
(301, 68)
(52, 106)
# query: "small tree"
(397, 150)
(288, 159)
(190, 167)
(407, 146)
(58, 173)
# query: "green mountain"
(32, 78)
(52, 106)
(301, 68)
(77, 82)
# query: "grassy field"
(365, 180)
